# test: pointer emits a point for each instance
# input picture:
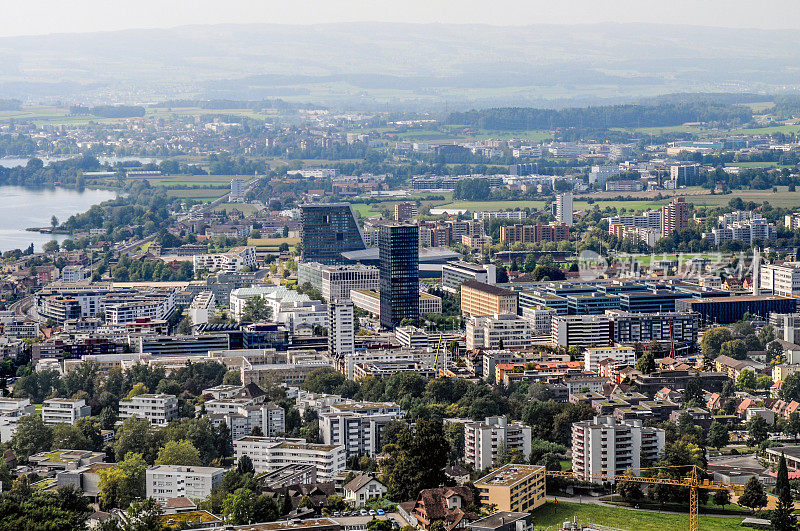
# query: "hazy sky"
(67, 16)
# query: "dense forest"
(601, 117)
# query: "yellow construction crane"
(436, 357)
(694, 480)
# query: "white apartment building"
(174, 481)
(203, 306)
(581, 330)
(158, 409)
(230, 262)
(66, 410)
(792, 221)
(411, 337)
(483, 440)
(541, 319)
(155, 304)
(456, 273)
(622, 356)
(357, 426)
(241, 415)
(341, 327)
(237, 191)
(498, 331)
(517, 215)
(780, 279)
(650, 219)
(564, 208)
(11, 410)
(75, 273)
(605, 446)
(270, 453)
(336, 281)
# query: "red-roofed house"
(448, 504)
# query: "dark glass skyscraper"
(398, 247)
(328, 230)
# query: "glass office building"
(328, 230)
(398, 247)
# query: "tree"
(713, 340)
(753, 495)
(256, 309)
(380, 525)
(32, 436)
(694, 390)
(629, 490)
(67, 436)
(239, 507)
(54, 222)
(178, 453)
(718, 435)
(793, 425)
(722, 497)
(123, 483)
(757, 430)
(133, 436)
(646, 363)
(416, 460)
(790, 388)
(746, 381)
(782, 517)
(245, 465)
(138, 389)
(736, 349)
(142, 515)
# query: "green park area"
(553, 515)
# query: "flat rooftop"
(509, 475)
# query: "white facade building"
(498, 331)
(564, 208)
(581, 330)
(358, 426)
(269, 454)
(66, 410)
(230, 262)
(780, 279)
(11, 410)
(622, 356)
(158, 409)
(75, 273)
(203, 306)
(341, 328)
(605, 446)
(173, 481)
(237, 191)
(483, 440)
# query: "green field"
(767, 130)
(635, 205)
(782, 198)
(246, 208)
(490, 206)
(365, 210)
(551, 516)
(752, 164)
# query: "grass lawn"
(553, 515)
(566, 464)
(770, 164)
(634, 205)
(782, 198)
(767, 130)
(365, 210)
(201, 194)
(272, 242)
(490, 206)
(246, 208)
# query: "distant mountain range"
(399, 65)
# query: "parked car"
(372, 512)
(364, 512)
(381, 512)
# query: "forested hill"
(601, 117)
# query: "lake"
(13, 162)
(21, 208)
